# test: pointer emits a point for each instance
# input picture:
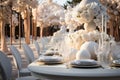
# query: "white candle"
(102, 23)
(99, 44)
(102, 29)
(105, 25)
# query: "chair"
(43, 43)
(28, 53)
(5, 66)
(7, 69)
(1, 75)
(37, 47)
(18, 62)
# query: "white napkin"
(84, 62)
(50, 58)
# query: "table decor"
(52, 52)
(51, 60)
(85, 63)
(115, 63)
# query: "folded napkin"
(51, 52)
(50, 59)
(84, 62)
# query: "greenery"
(72, 3)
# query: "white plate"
(87, 63)
(81, 66)
(115, 63)
(51, 59)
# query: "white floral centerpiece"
(90, 12)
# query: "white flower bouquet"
(92, 11)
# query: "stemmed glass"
(103, 55)
(65, 51)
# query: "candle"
(99, 43)
(102, 23)
(105, 25)
(102, 31)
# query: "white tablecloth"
(60, 72)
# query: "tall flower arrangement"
(49, 13)
(5, 12)
(92, 14)
(23, 7)
(91, 11)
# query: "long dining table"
(61, 72)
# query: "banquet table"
(61, 72)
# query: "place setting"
(50, 60)
(52, 52)
(91, 63)
(115, 63)
(87, 63)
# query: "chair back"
(37, 47)
(17, 57)
(29, 53)
(6, 66)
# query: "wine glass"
(103, 55)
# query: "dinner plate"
(53, 63)
(87, 63)
(51, 59)
(81, 66)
